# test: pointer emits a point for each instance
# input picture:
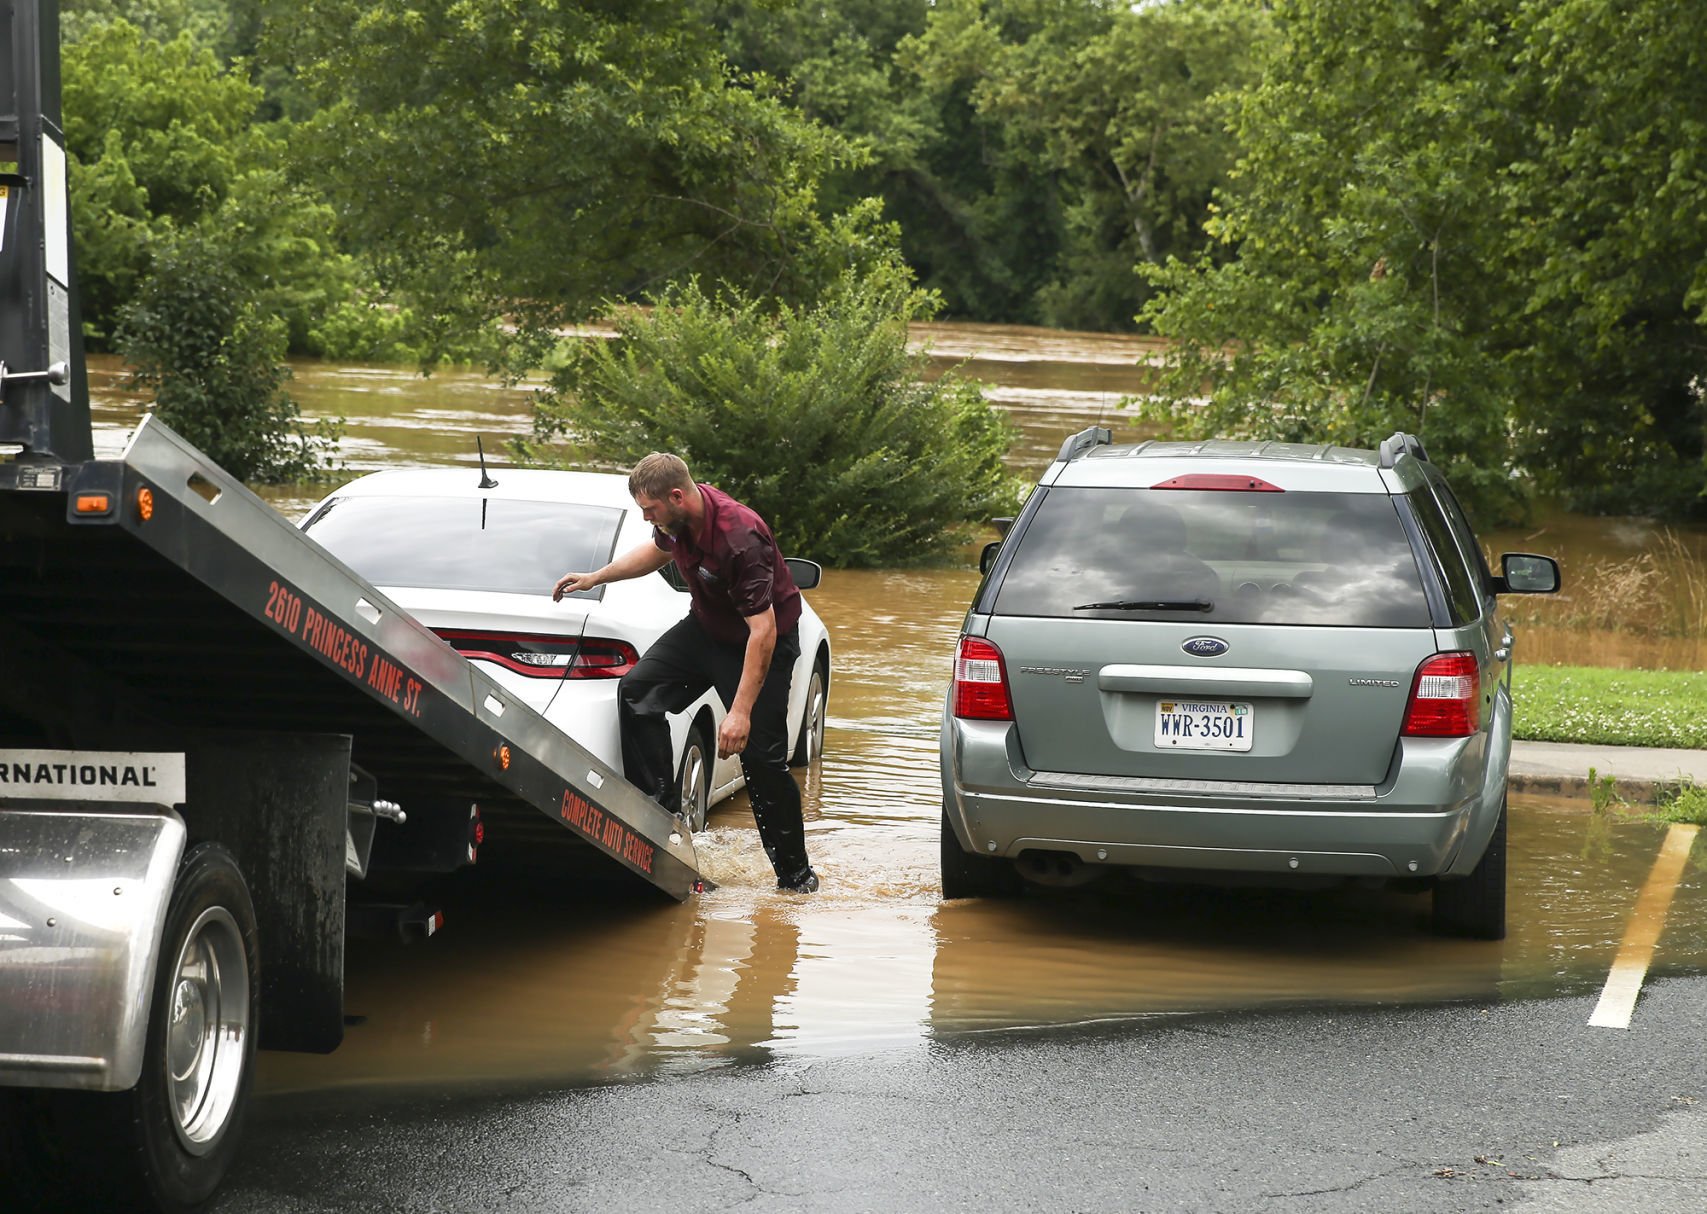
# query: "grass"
(1687, 803)
(1684, 803)
(1595, 705)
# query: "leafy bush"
(819, 418)
(195, 336)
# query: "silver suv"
(1279, 661)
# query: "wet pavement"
(1465, 1106)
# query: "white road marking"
(1624, 983)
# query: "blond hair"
(657, 474)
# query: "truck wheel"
(810, 744)
(182, 1120)
(166, 1143)
(969, 876)
(693, 788)
(1475, 905)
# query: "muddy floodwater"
(530, 984)
(533, 983)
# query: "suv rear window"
(1255, 558)
(465, 543)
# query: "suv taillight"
(1446, 698)
(981, 682)
(545, 657)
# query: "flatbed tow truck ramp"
(154, 592)
(214, 736)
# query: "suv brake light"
(545, 657)
(1219, 480)
(1445, 698)
(981, 682)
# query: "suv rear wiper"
(1150, 605)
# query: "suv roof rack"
(1083, 441)
(1401, 444)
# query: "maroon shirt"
(737, 573)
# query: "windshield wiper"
(1149, 605)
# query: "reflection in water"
(548, 988)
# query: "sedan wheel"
(694, 787)
(811, 741)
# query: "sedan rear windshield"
(463, 543)
(1229, 557)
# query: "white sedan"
(477, 565)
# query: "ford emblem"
(1205, 647)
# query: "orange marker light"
(504, 756)
(145, 503)
(94, 503)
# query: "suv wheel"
(1475, 905)
(969, 876)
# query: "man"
(740, 636)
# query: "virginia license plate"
(1203, 725)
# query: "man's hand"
(569, 583)
(732, 734)
(644, 558)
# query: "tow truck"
(213, 737)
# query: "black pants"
(674, 673)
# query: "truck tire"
(1474, 906)
(969, 876)
(165, 1144)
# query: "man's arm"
(636, 562)
(761, 644)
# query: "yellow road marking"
(1624, 983)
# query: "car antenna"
(486, 481)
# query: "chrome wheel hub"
(206, 1030)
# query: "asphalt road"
(1463, 1107)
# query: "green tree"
(162, 141)
(157, 20)
(1606, 218)
(1032, 151)
(818, 417)
(536, 157)
(1118, 105)
(157, 134)
(1478, 220)
(196, 337)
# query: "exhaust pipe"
(1056, 869)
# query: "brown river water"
(531, 985)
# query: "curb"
(1626, 788)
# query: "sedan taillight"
(545, 657)
(1445, 699)
(981, 682)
